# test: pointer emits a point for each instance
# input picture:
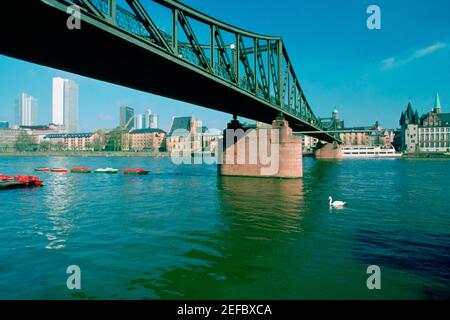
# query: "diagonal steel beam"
(273, 71)
(248, 70)
(193, 41)
(89, 6)
(262, 71)
(148, 23)
(223, 55)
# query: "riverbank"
(86, 154)
(426, 155)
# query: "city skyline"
(369, 78)
(141, 120)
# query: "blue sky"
(367, 74)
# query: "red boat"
(60, 170)
(135, 171)
(81, 170)
(42, 169)
(19, 182)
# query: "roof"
(38, 127)
(437, 102)
(409, 116)
(149, 130)
(445, 118)
(180, 123)
(69, 135)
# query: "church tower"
(437, 104)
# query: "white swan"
(335, 204)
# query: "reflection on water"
(184, 232)
(262, 206)
(248, 243)
(58, 200)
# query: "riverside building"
(428, 133)
(147, 140)
(72, 141)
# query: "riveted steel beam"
(223, 55)
(248, 70)
(148, 23)
(193, 41)
(89, 6)
(262, 71)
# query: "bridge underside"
(40, 35)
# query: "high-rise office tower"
(126, 117)
(155, 122)
(26, 110)
(65, 104)
(151, 120)
(148, 119)
(140, 121)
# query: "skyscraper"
(127, 117)
(26, 110)
(154, 121)
(151, 120)
(65, 104)
(140, 121)
(148, 119)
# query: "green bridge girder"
(258, 65)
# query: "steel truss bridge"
(192, 57)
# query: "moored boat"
(107, 170)
(4, 177)
(367, 152)
(59, 170)
(29, 180)
(81, 170)
(19, 181)
(42, 169)
(136, 171)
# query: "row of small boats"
(19, 181)
(138, 171)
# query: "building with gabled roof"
(429, 133)
(185, 135)
(147, 140)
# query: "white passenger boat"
(355, 152)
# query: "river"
(182, 232)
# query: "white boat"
(356, 152)
(106, 170)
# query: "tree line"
(102, 141)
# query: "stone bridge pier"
(329, 151)
(271, 152)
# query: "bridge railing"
(256, 63)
